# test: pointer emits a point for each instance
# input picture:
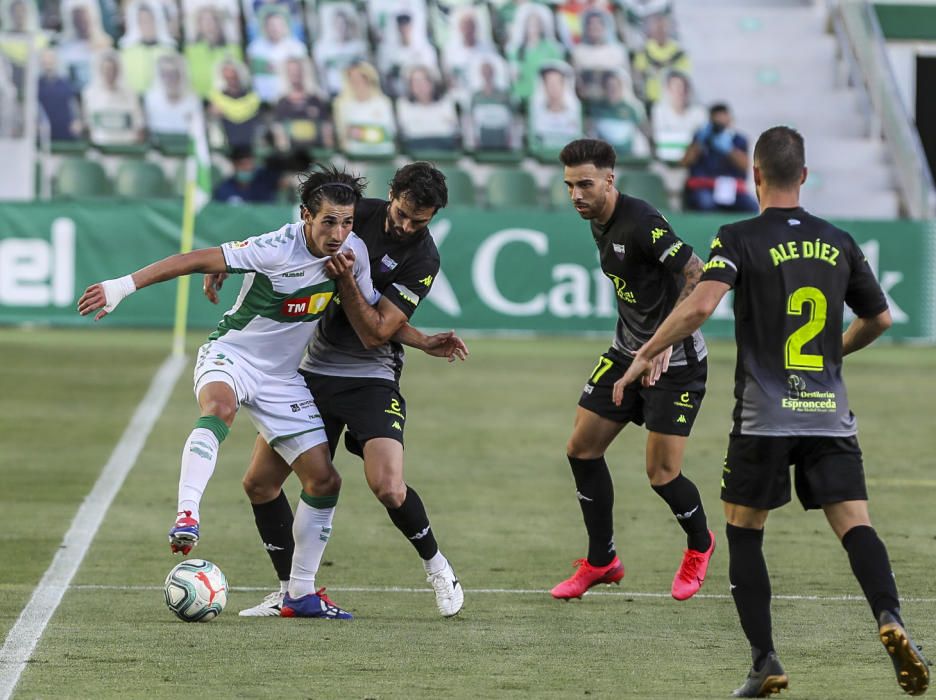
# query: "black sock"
(683, 498)
(869, 562)
(595, 493)
(750, 588)
(411, 519)
(274, 523)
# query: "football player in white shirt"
(251, 360)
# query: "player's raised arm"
(105, 296)
(374, 325)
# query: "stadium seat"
(492, 156)
(645, 185)
(178, 182)
(77, 178)
(461, 189)
(558, 193)
(172, 145)
(67, 148)
(378, 177)
(123, 149)
(434, 155)
(512, 188)
(140, 179)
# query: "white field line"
(511, 591)
(32, 621)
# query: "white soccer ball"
(196, 590)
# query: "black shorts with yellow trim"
(368, 408)
(669, 407)
(827, 469)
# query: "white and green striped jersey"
(285, 292)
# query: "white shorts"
(280, 407)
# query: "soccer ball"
(196, 590)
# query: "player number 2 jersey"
(792, 274)
(284, 293)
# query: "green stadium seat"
(137, 150)
(67, 148)
(512, 188)
(140, 179)
(645, 185)
(434, 155)
(558, 193)
(492, 156)
(378, 177)
(461, 189)
(178, 182)
(76, 178)
(172, 145)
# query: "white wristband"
(117, 290)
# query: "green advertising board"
(516, 270)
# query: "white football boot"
(268, 607)
(448, 591)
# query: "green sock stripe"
(215, 425)
(320, 501)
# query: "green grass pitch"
(485, 449)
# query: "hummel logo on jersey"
(422, 533)
(688, 514)
(272, 547)
(388, 263)
(297, 273)
(578, 495)
(793, 222)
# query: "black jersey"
(403, 270)
(644, 259)
(792, 273)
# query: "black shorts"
(369, 408)
(757, 470)
(669, 407)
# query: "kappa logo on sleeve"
(657, 233)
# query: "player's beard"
(589, 210)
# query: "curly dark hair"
(420, 183)
(581, 151)
(326, 182)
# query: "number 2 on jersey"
(795, 357)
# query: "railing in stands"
(859, 27)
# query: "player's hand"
(340, 264)
(638, 367)
(658, 365)
(92, 300)
(447, 345)
(105, 296)
(212, 285)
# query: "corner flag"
(197, 195)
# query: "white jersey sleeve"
(265, 253)
(362, 269)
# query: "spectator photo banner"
(517, 270)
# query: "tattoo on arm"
(692, 273)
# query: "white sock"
(311, 530)
(284, 585)
(436, 564)
(199, 457)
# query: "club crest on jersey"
(387, 263)
(793, 222)
(239, 244)
(618, 249)
(314, 304)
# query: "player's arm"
(108, 294)
(447, 344)
(374, 325)
(690, 276)
(863, 331)
(684, 320)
